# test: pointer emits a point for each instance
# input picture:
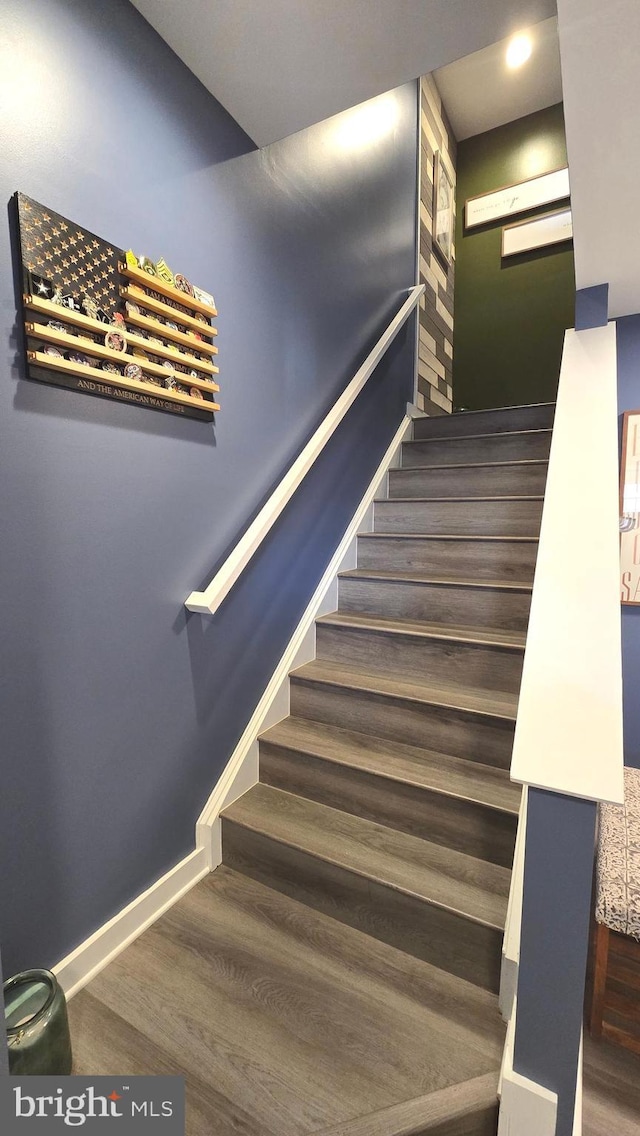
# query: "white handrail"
(569, 727)
(208, 601)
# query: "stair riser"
(509, 517)
(461, 733)
(437, 603)
(473, 559)
(445, 939)
(467, 826)
(483, 481)
(485, 422)
(492, 448)
(483, 666)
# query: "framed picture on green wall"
(539, 232)
(442, 208)
(518, 198)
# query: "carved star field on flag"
(53, 247)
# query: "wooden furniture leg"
(600, 958)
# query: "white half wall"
(568, 734)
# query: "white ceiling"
(600, 48)
(480, 91)
(281, 65)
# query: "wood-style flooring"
(611, 1096)
(283, 1020)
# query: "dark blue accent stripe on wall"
(556, 908)
(118, 712)
(592, 307)
(628, 342)
(553, 949)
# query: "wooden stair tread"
(451, 880)
(497, 409)
(284, 1021)
(447, 536)
(453, 776)
(499, 705)
(510, 463)
(426, 1113)
(453, 500)
(383, 576)
(513, 640)
(468, 437)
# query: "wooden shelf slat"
(172, 353)
(67, 315)
(65, 366)
(137, 296)
(168, 333)
(147, 281)
(64, 339)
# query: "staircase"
(384, 799)
(337, 974)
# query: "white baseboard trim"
(241, 771)
(101, 948)
(526, 1108)
(577, 1111)
(513, 925)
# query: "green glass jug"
(35, 1011)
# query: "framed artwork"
(519, 198)
(442, 209)
(630, 509)
(524, 236)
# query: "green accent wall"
(510, 315)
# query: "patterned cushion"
(618, 874)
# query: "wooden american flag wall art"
(100, 320)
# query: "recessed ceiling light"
(518, 51)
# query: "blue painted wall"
(118, 713)
(628, 335)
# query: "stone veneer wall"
(435, 358)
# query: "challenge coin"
(112, 368)
(183, 284)
(78, 357)
(90, 307)
(51, 349)
(195, 392)
(115, 340)
(133, 371)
